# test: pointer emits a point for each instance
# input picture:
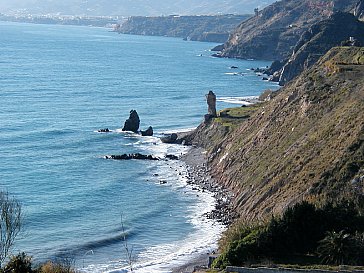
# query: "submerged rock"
(105, 130)
(132, 123)
(132, 156)
(140, 157)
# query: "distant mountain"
(132, 7)
(207, 28)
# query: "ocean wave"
(166, 256)
(94, 245)
(181, 130)
(239, 100)
(235, 73)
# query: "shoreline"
(199, 175)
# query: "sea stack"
(211, 103)
(132, 123)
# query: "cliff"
(273, 33)
(305, 143)
(197, 28)
(318, 39)
(359, 10)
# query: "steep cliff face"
(274, 32)
(318, 39)
(359, 10)
(307, 143)
(197, 28)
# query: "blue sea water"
(58, 85)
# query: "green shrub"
(297, 231)
(20, 263)
(301, 230)
(337, 248)
(247, 249)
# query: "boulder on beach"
(172, 138)
(132, 123)
(148, 132)
(172, 157)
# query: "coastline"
(199, 175)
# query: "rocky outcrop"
(148, 132)
(196, 28)
(318, 39)
(273, 33)
(211, 104)
(139, 157)
(132, 123)
(305, 143)
(170, 139)
(132, 156)
(104, 130)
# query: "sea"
(58, 86)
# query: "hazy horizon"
(131, 7)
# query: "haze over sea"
(58, 85)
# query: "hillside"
(318, 39)
(306, 143)
(274, 32)
(197, 28)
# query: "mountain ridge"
(273, 33)
(318, 39)
(197, 28)
(131, 7)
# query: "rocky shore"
(199, 177)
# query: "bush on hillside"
(342, 248)
(302, 230)
(20, 263)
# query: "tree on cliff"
(10, 223)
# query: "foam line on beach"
(166, 257)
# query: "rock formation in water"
(148, 132)
(171, 139)
(132, 123)
(211, 103)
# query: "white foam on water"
(206, 232)
(232, 73)
(239, 100)
(165, 257)
(182, 130)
